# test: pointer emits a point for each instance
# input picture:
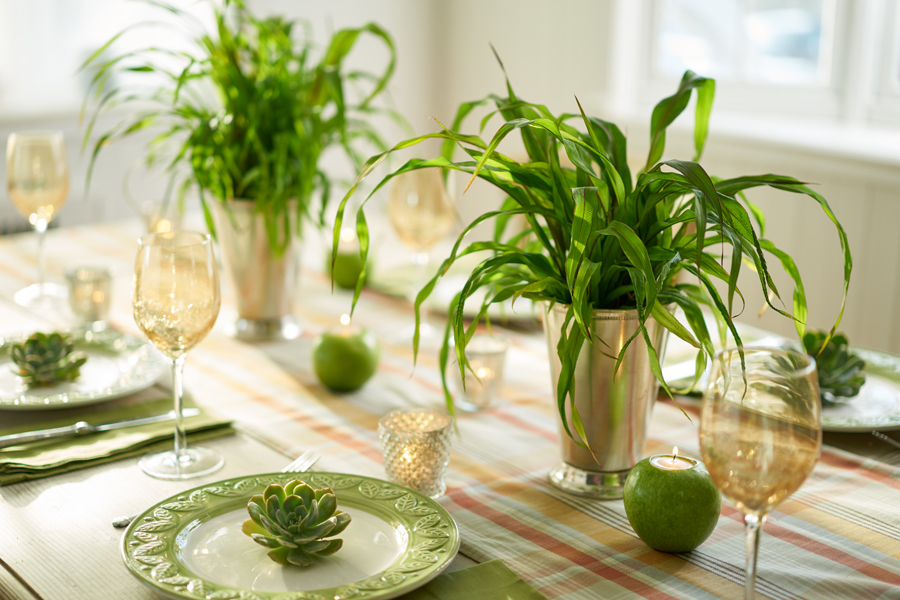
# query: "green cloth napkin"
(51, 457)
(492, 580)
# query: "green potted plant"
(602, 250)
(243, 118)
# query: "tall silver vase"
(614, 406)
(263, 284)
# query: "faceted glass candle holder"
(487, 356)
(89, 295)
(416, 446)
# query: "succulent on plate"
(840, 371)
(294, 521)
(47, 358)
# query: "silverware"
(83, 428)
(302, 463)
(887, 439)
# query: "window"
(827, 60)
(782, 42)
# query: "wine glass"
(176, 301)
(760, 432)
(37, 180)
(421, 214)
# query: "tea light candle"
(416, 447)
(345, 357)
(89, 295)
(671, 502)
(673, 462)
(487, 357)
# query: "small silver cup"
(487, 357)
(416, 446)
(90, 290)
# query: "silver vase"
(263, 284)
(614, 406)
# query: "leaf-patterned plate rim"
(150, 544)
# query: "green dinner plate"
(118, 364)
(191, 545)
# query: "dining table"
(837, 537)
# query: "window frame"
(641, 88)
(884, 84)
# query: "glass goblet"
(37, 180)
(760, 433)
(421, 213)
(176, 301)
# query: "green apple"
(347, 267)
(671, 511)
(346, 358)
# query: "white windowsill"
(874, 145)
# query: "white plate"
(191, 545)
(450, 285)
(118, 364)
(398, 281)
(877, 407)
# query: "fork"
(302, 463)
(885, 438)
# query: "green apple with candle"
(671, 502)
(347, 265)
(345, 357)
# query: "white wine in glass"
(421, 213)
(176, 301)
(37, 181)
(760, 433)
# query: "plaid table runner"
(838, 537)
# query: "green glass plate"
(118, 364)
(191, 545)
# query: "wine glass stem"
(752, 529)
(178, 393)
(40, 226)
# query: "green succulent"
(294, 520)
(45, 359)
(840, 371)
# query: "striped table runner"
(838, 537)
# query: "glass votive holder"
(416, 447)
(487, 356)
(90, 289)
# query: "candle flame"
(345, 319)
(347, 235)
(674, 454)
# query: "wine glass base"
(604, 485)
(50, 296)
(195, 462)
